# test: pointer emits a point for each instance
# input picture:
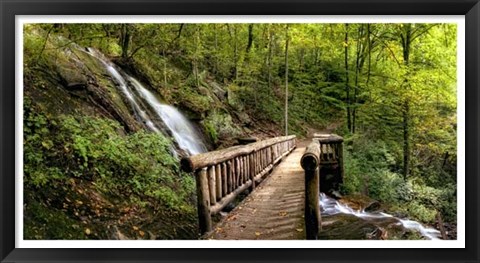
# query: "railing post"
(310, 163)
(218, 181)
(340, 161)
(211, 184)
(222, 175)
(312, 205)
(224, 179)
(203, 201)
(230, 169)
(252, 170)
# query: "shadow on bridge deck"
(274, 211)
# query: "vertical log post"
(221, 175)
(252, 170)
(312, 204)
(224, 179)
(230, 176)
(310, 163)
(235, 173)
(203, 201)
(242, 172)
(247, 166)
(341, 170)
(218, 181)
(211, 184)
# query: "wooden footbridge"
(283, 182)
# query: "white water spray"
(330, 206)
(181, 129)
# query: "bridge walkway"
(274, 211)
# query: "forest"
(97, 167)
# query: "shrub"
(89, 148)
(370, 167)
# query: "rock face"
(75, 82)
(219, 92)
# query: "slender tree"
(287, 40)
(347, 85)
(408, 33)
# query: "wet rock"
(335, 194)
(360, 202)
(347, 227)
(373, 206)
(244, 118)
(72, 78)
(350, 227)
(203, 91)
(220, 93)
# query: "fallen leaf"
(299, 230)
(135, 228)
(141, 233)
(258, 234)
(87, 231)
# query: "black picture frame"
(11, 8)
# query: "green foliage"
(193, 100)
(92, 149)
(368, 170)
(219, 126)
(181, 59)
(42, 222)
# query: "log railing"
(223, 174)
(324, 150)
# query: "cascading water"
(330, 206)
(137, 95)
(141, 113)
(181, 129)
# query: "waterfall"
(142, 101)
(330, 206)
(181, 129)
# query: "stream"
(375, 223)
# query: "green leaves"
(91, 149)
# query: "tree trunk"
(406, 41)
(270, 51)
(164, 68)
(235, 53)
(125, 40)
(250, 37)
(215, 63)
(406, 140)
(347, 87)
(195, 60)
(369, 54)
(286, 80)
(360, 50)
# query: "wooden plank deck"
(274, 211)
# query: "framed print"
(239, 131)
